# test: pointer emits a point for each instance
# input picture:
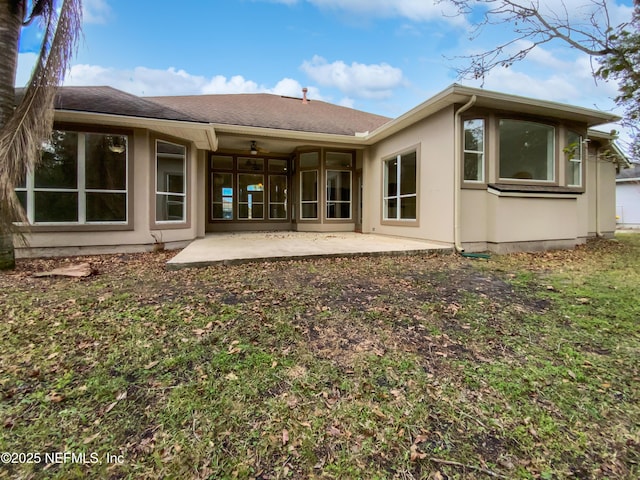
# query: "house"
(477, 169)
(628, 197)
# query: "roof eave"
(316, 137)
(207, 140)
(459, 94)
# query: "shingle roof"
(108, 100)
(274, 111)
(629, 173)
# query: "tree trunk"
(11, 15)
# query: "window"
(82, 179)
(309, 164)
(338, 194)
(250, 196)
(527, 150)
(474, 150)
(400, 187)
(309, 195)
(574, 159)
(171, 173)
(277, 197)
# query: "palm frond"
(30, 125)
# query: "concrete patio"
(234, 248)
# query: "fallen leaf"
(150, 365)
(231, 376)
(415, 454)
(285, 436)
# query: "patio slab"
(234, 248)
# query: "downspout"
(456, 173)
(598, 232)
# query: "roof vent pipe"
(304, 95)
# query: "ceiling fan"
(254, 150)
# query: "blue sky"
(381, 56)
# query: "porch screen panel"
(277, 197)
(250, 196)
(222, 196)
(309, 195)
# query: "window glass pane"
(309, 186)
(309, 160)
(392, 208)
(106, 207)
(526, 150)
(408, 208)
(473, 166)
(221, 186)
(251, 164)
(391, 178)
(574, 175)
(339, 160)
(59, 165)
(56, 207)
(221, 163)
(277, 166)
(22, 198)
(338, 186)
(169, 208)
(408, 174)
(105, 162)
(474, 135)
(171, 165)
(309, 210)
(338, 210)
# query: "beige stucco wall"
(141, 196)
(433, 139)
(600, 205)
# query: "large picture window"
(527, 150)
(474, 150)
(400, 187)
(81, 179)
(171, 187)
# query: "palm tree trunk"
(11, 15)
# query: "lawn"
(417, 367)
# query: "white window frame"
(80, 189)
(171, 194)
(398, 196)
(336, 202)
(481, 166)
(316, 201)
(576, 157)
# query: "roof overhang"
(203, 135)
(458, 95)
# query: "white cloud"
(547, 76)
(155, 82)
(359, 80)
(95, 11)
(416, 10)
